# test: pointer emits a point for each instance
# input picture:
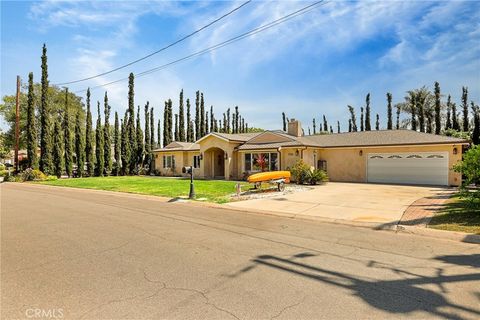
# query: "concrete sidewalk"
(373, 204)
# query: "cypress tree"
(197, 116)
(131, 124)
(125, 151)
(236, 119)
(314, 125)
(107, 147)
(46, 160)
(99, 151)
(362, 126)
(68, 139)
(140, 146)
(190, 133)
(367, 113)
(202, 116)
(170, 121)
(338, 126)
(353, 120)
(181, 120)
(224, 129)
(58, 149)
(389, 111)
(176, 133)
(413, 111)
(206, 123)
(448, 124)
(212, 119)
(89, 139)
(377, 123)
(153, 145)
(148, 147)
(437, 108)
(31, 128)
(455, 124)
(325, 124)
(228, 121)
(215, 128)
(421, 112)
(158, 133)
(465, 109)
(476, 124)
(79, 146)
(152, 140)
(284, 122)
(117, 146)
(165, 124)
(398, 117)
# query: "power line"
(239, 37)
(160, 50)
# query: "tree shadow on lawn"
(411, 293)
(461, 213)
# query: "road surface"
(78, 254)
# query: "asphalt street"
(79, 254)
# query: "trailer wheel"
(281, 186)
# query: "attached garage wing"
(408, 168)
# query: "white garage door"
(408, 168)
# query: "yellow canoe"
(270, 175)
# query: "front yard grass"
(212, 190)
(458, 215)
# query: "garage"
(423, 168)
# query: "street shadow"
(472, 260)
(400, 296)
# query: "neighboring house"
(384, 156)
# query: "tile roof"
(347, 139)
(378, 138)
(179, 146)
(275, 145)
(237, 136)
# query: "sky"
(312, 65)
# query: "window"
(196, 162)
(168, 162)
(322, 165)
(261, 161)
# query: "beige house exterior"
(385, 156)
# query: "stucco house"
(384, 156)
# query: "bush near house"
(470, 169)
(302, 173)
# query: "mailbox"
(187, 170)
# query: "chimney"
(294, 128)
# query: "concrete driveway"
(356, 202)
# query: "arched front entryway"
(214, 163)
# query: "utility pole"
(17, 124)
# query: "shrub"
(300, 171)
(316, 176)
(470, 168)
(51, 178)
(12, 178)
(33, 175)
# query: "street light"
(189, 170)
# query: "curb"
(440, 234)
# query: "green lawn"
(211, 190)
(458, 215)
